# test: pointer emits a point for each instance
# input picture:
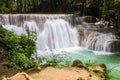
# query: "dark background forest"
(97, 8)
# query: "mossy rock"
(77, 63)
(98, 70)
(98, 67)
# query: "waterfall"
(56, 31)
(98, 40)
(57, 34)
(101, 42)
(97, 37)
(53, 31)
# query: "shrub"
(19, 49)
(89, 63)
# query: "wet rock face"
(114, 46)
(1, 20)
(89, 19)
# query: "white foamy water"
(56, 32)
(53, 32)
(72, 50)
(100, 41)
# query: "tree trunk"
(25, 6)
(18, 6)
(21, 6)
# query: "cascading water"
(53, 32)
(56, 32)
(101, 42)
(97, 37)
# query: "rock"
(99, 23)
(39, 68)
(0, 25)
(113, 46)
(19, 76)
(89, 19)
(98, 70)
(77, 63)
(98, 67)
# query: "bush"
(18, 48)
(89, 63)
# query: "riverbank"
(51, 73)
(76, 72)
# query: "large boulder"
(89, 19)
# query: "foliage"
(103, 9)
(19, 49)
(7, 6)
(54, 60)
(79, 78)
(114, 9)
(110, 8)
(89, 63)
(112, 73)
